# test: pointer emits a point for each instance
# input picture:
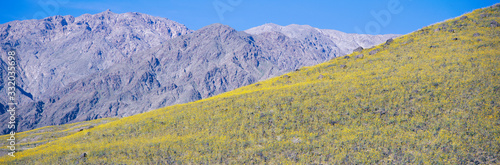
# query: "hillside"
(429, 97)
(37, 137)
(74, 69)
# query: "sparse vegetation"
(37, 137)
(422, 99)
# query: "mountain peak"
(107, 12)
(217, 28)
(272, 25)
(291, 30)
(268, 27)
(218, 25)
(299, 26)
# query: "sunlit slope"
(430, 97)
(37, 137)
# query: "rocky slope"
(59, 50)
(344, 43)
(103, 65)
(62, 49)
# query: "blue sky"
(352, 16)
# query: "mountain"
(344, 43)
(59, 50)
(428, 97)
(105, 65)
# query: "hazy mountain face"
(342, 42)
(104, 65)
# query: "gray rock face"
(56, 51)
(59, 50)
(105, 65)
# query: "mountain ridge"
(295, 31)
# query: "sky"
(351, 16)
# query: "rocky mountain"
(344, 43)
(104, 65)
(62, 49)
(59, 50)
